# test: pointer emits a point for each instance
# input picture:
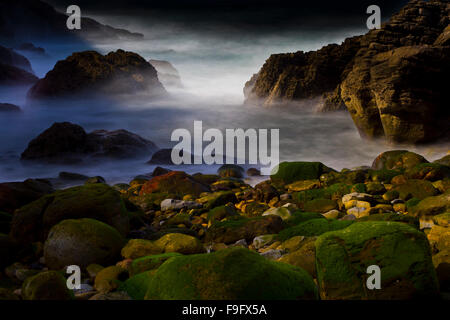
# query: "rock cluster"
(308, 232)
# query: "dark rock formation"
(7, 107)
(293, 76)
(67, 142)
(30, 20)
(31, 48)
(164, 156)
(167, 73)
(12, 58)
(89, 72)
(392, 80)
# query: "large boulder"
(68, 142)
(96, 201)
(89, 73)
(289, 172)
(401, 252)
(174, 183)
(397, 160)
(14, 195)
(82, 242)
(247, 275)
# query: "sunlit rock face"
(90, 73)
(389, 79)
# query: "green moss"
(217, 199)
(48, 285)
(299, 217)
(314, 227)
(150, 262)
(359, 188)
(229, 274)
(412, 221)
(334, 191)
(320, 205)
(289, 172)
(220, 213)
(384, 175)
(401, 251)
(412, 202)
(137, 286)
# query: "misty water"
(214, 65)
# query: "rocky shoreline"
(308, 232)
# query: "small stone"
(262, 241)
(332, 214)
(272, 254)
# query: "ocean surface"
(214, 65)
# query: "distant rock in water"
(66, 142)
(90, 73)
(30, 20)
(31, 48)
(167, 73)
(392, 80)
(12, 58)
(15, 69)
(7, 107)
(164, 156)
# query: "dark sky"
(248, 13)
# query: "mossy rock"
(304, 257)
(432, 206)
(411, 203)
(32, 222)
(181, 243)
(359, 188)
(150, 262)
(429, 171)
(217, 199)
(445, 160)
(5, 222)
(410, 220)
(82, 242)
(401, 252)
(283, 212)
(375, 188)
(136, 286)
(207, 179)
(48, 285)
(335, 191)
(230, 171)
(110, 278)
(397, 160)
(220, 213)
(289, 172)
(244, 228)
(230, 274)
(344, 177)
(137, 248)
(254, 209)
(7, 295)
(314, 227)
(383, 176)
(419, 189)
(442, 220)
(299, 217)
(175, 182)
(320, 205)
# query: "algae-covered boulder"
(320, 205)
(137, 248)
(429, 171)
(245, 228)
(95, 201)
(401, 252)
(432, 206)
(289, 172)
(313, 227)
(304, 257)
(82, 242)
(181, 243)
(176, 183)
(419, 189)
(110, 278)
(230, 274)
(397, 159)
(150, 262)
(136, 286)
(48, 285)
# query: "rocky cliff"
(391, 80)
